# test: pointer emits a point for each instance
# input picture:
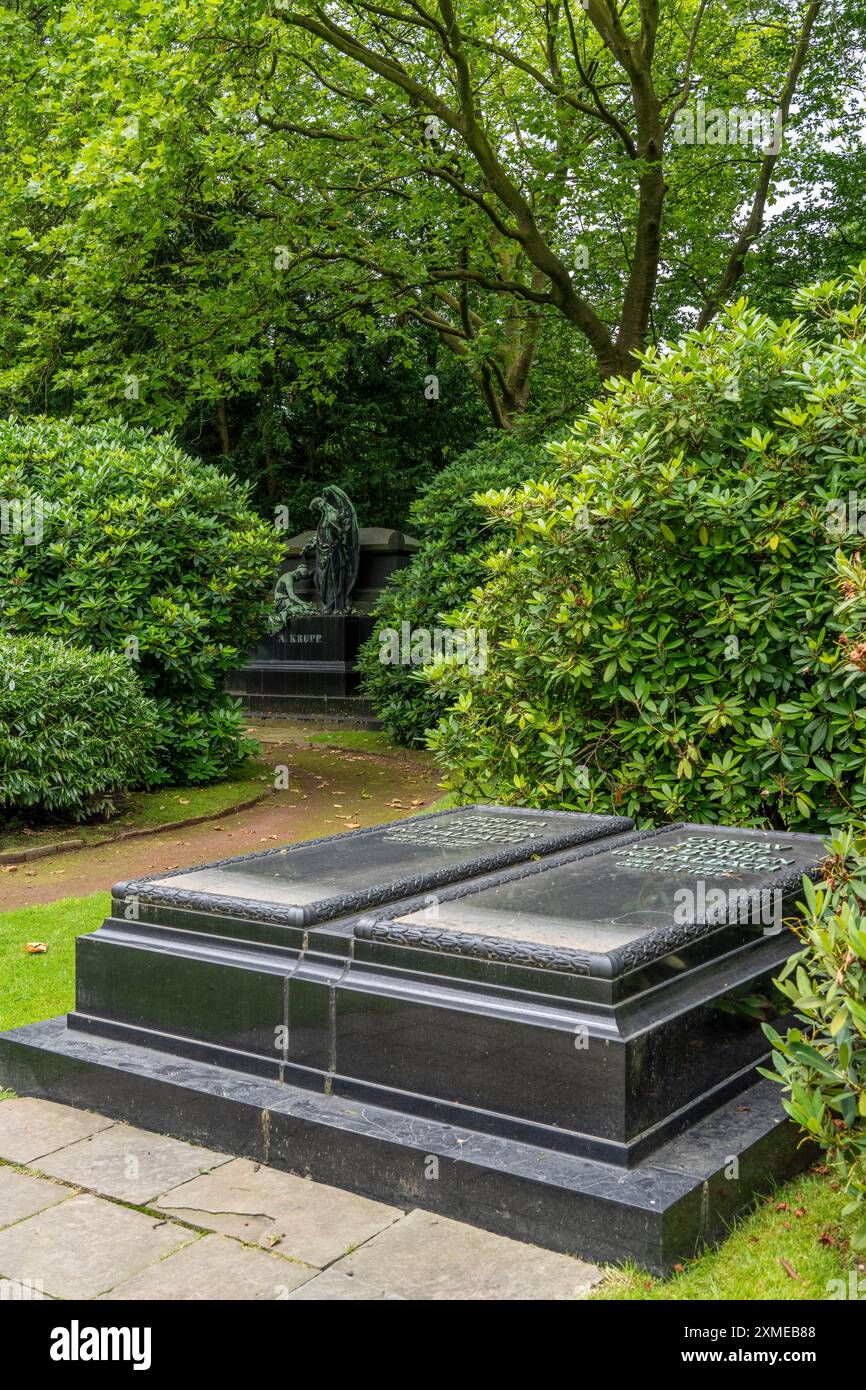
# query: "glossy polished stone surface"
(321, 879)
(604, 1053)
(119, 977)
(653, 884)
(562, 990)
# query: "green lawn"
(39, 986)
(367, 740)
(791, 1247)
(153, 810)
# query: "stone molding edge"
(640, 952)
(478, 947)
(327, 909)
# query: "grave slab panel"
(310, 882)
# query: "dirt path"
(330, 789)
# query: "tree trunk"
(222, 426)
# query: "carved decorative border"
(148, 890)
(656, 945)
(606, 965)
(492, 948)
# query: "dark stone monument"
(563, 1011)
(306, 664)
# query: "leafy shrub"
(822, 1064)
(455, 536)
(146, 552)
(75, 728)
(666, 629)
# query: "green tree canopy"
(204, 197)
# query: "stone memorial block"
(317, 880)
(163, 961)
(658, 949)
(564, 1011)
(308, 661)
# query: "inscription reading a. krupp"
(714, 856)
(466, 833)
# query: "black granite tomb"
(564, 1011)
(310, 660)
(310, 665)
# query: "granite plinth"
(349, 712)
(310, 657)
(567, 999)
(658, 1214)
(562, 983)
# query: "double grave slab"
(573, 1003)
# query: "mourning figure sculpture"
(330, 559)
(287, 603)
(338, 549)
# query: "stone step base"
(658, 1213)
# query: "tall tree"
(559, 128)
(204, 197)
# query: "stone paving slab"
(82, 1247)
(215, 1267)
(331, 1287)
(432, 1257)
(274, 1236)
(32, 1128)
(293, 1216)
(130, 1164)
(14, 1290)
(22, 1195)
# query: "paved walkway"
(91, 1209)
(330, 789)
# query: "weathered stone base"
(658, 1213)
(352, 711)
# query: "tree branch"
(755, 221)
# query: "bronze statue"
(338, 549)
(330, 559)
(287, 603)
